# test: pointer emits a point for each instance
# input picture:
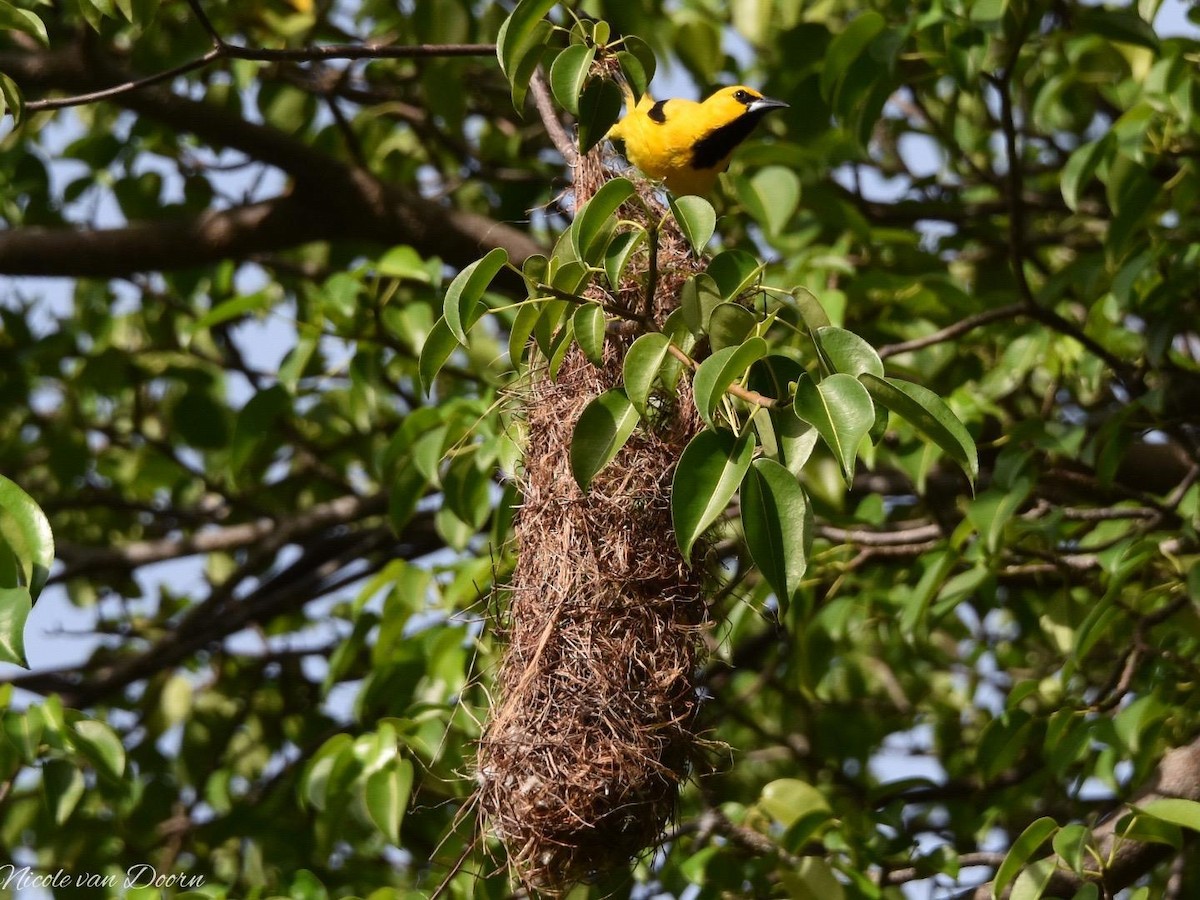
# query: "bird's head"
(734, 102)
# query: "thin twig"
(223, 50)
(950, 332)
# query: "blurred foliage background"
(280, 552)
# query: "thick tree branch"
(342, 200)
(272, 533)
(163, 245)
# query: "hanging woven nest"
(593, 730)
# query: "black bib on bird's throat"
(720, 142)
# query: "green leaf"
(777, 522)
(568, 74)
(439, 345)
(14, 19)
(845, 49)
(62, 783)
(101, 746)
(590, 323)
(708, 474)
(386, 794)
(1116, 24)
(15, 604)
(844, 351)
(1070, 843)
(929, 414)
(404, 262)
(592, 224)
(603, 428)
(11, 99)
(771, 195)
(522, 327)
(599, 108)
(462, 305)
(1031, 884)
(1080, 169)
(696, 219)
(840, 408)
(729, 324)
(641, 52)
(234, 309)
(812, 879)
(1184, 813)
(618, 253)
(523, 32)
(25, 530)
(1023, 847)
(643, 361)
(720, 370)
(810, 307)
(734, 271)
(697, 299)
(787, 800)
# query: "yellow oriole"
(688, 144)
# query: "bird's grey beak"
(765, 103)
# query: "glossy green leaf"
(522, 33)
(634, 72)
(618, 253)
(771, 195)
(720, 370)
(643, 362)
(25, 531)
(729, 324)
(599, 108)
(846, 48)
(840, 409)
(16, 19)
(522, 329)
(787, 800)
(811, 310)
(708, 474)
(928, 414)
(1081, 168)
(697, 299)
(463, 304)
(62, 783)
(1071, 843)
(1121, 24)
(1033, 881)
(589, 228)
(568, 75)
(100, 744)
(1176, 810)
(439, 345)
(602, 430)
(386, 794)
(11, 99)
(403, 262)
(590, 323)
(644, 54)
(15, 604)
(844, 351)
(1034, 835)
(778, 524)
(734, 272)
(696, 219)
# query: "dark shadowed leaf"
(709, 472)
(603, 428)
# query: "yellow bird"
(688, 144)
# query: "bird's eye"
(743, 97)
